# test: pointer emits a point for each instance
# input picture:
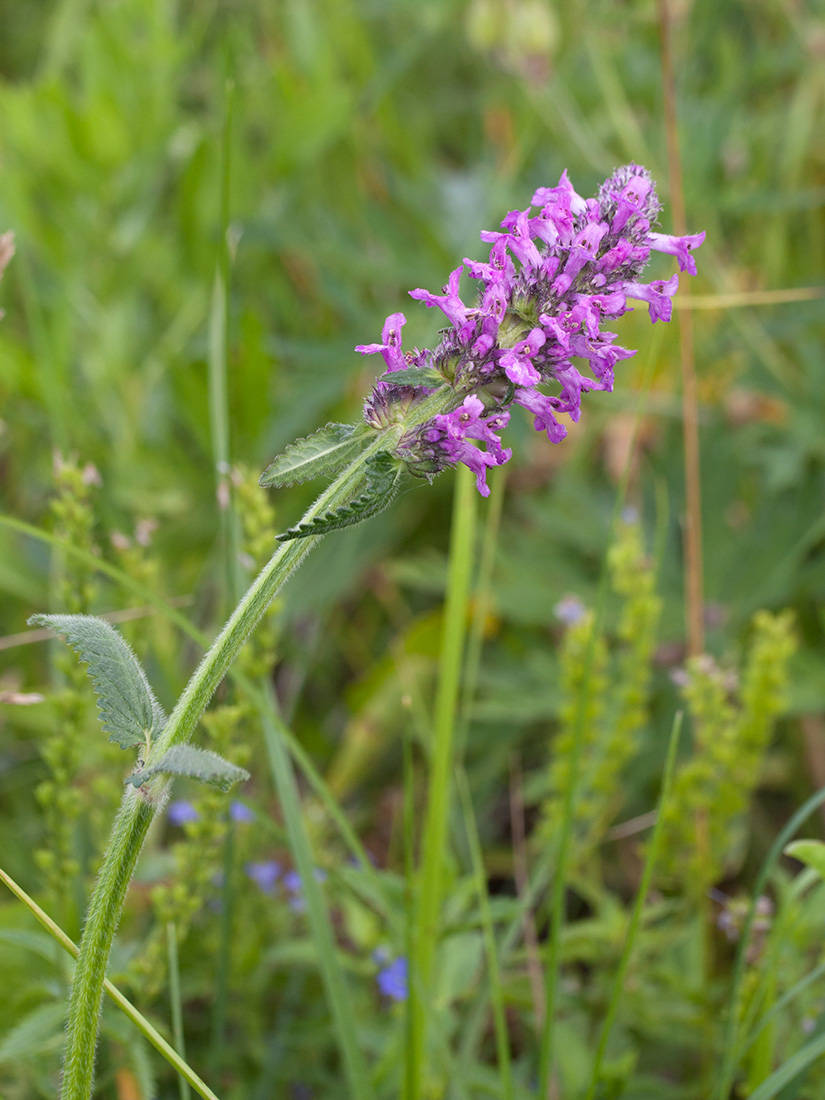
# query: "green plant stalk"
(124, 1004)
(496, 991)
(175, 999)
(252, 692)
(320, 924)
(138, 807)
(411, 1067)
(218, 365)
(483, 599)
(636, 916)
(224, 957)
(434, 840)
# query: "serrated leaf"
(809, 852)
(383, 478)
(129, 711)
(201, 764)
(325, 452)
(414, 376)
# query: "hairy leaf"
(129, 711)
(325, 452)
(201, 764)
(414, 376)
(383, 478)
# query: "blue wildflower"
(295, 888)
(182, 812)
(569, 610)
(241, 813)
(392, 980)
(265, 874)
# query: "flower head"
(535, 335)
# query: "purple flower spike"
(553, 277)
(182, 812)
(392, 980)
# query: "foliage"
(367, 145)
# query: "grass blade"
(729, 1054)
(434, 840)
(791, 1069)
(355, 1069)
(636, 917)
(114, 994)
(496, 992)
(175, 999)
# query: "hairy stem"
(139, 807)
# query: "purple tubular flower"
(517, 363)
(657, 295)
(449, 302)
(391, 347)
(680, 247)
(552, 278)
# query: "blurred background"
(323, 157)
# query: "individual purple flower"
(552, 278)
(519, 239)
(265, 874)
(517, 362)
(181, 812)
(657, 295)
(391, 347)
(499, 271)
(680, 247)
(240, 813)
(449, 302)
(392, 980)
(544, 410)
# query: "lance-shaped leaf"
(129, 711)
(414, 376)
(201, 764)
(325, 452)
(383, 478)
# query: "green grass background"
(369, 143)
